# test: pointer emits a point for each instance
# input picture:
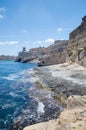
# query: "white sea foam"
(5, 106)
(40, 108)
(11, 77)
(26, 80)
(13, 94)
(17, 119)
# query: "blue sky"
(34, 23)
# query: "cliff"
(72, 118)
(76, 48)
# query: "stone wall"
(53, 54)
(55, 58)
(58, 46)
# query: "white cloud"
(2, 9)
(1, 13)
(49, 40)
(64, 29)
(59, 29)
(1, 16)
(42, 42)
(9, 43)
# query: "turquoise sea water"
(14, 86)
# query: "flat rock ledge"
(72, 118)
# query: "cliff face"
(73, 118)
(77, 44)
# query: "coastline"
(72, 118)
(60, 81)
(62, 78)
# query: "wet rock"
(42, 107)
(73, 118)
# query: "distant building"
(24, 49)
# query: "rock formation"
(73, 118)
(76, 49)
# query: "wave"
(40, 108)
(5, 106)
(13, 94)
(11, 77)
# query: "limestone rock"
(76, 101)
(77, 43)
(73, 118)
(82, 54)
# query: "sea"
(14, 98)
(22, 101)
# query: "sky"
(37, 23)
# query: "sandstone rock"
(73, 118)
(76, 101)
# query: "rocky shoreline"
(63, 79)
(42, 105)
(73, 118)
(59, 81)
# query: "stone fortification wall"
(58, 46)
(53, 54)
(56, 58)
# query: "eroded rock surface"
(73, 118)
